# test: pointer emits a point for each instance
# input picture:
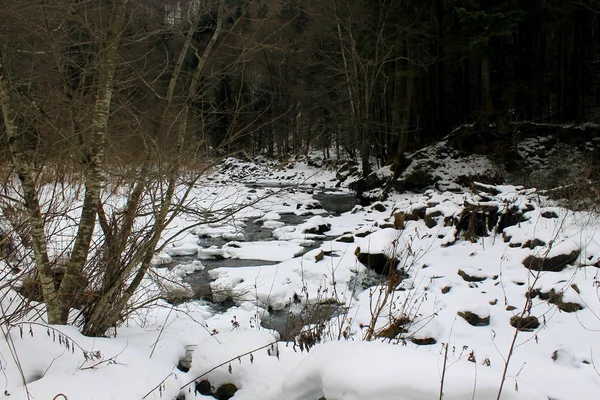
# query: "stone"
(553, 264)
(378, 206)
(345, 239)
(431, 219)
(378, 262)
(225, 391)
(525, 324)
(204, 387)
(531, 244)
(474, 319)
(549, 214)
(470, 277)
(319, 256)
(423, 341)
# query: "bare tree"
(113, 237)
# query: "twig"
(157, 386)
(443, 372)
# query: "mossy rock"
(474, 319)
(225, 391)
(525, 324)
(532, 244)
(556, 298)
(552, 264)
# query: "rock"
(431, 219)
(423, 341)
(476, 221)
(549, 214)
(225, 391)
(378, 206)
(309, 205)
(556, 298)
(483, 188)
(345, 170)
(399, 219)
(416, 214)
(363, 234)
(531, 244)
(471, 275)
(446, 289)
(418, 178)
(378, 262)
(204, 387)
(365, 185)
(524, 323)
(319, 256)
(345, 239)
(554, 264)
(474, 319)
(510, 217)
(316, 226)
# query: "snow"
(368, 370)
(141, 357)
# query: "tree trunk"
(404, 128)
(26, 173)
(487, 105)
(74, 282)
(116, 296)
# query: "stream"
(334, 202)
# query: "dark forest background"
(360, 78)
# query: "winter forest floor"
(484, 279)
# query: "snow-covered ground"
(443, 323)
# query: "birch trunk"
(111, 305)
(26, 173)
(74, 282)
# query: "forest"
(362, 78)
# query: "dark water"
(336, 204)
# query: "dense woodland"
(359, 78)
